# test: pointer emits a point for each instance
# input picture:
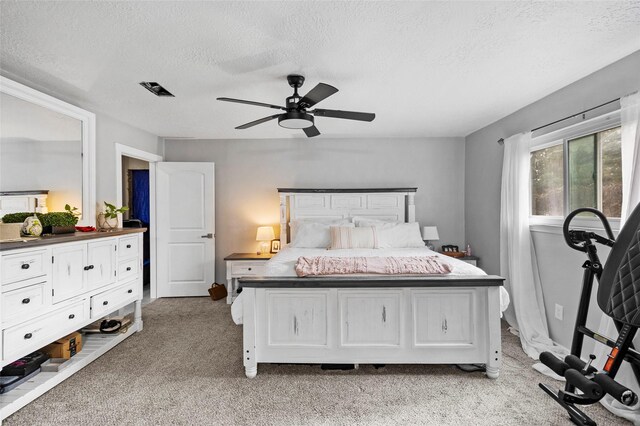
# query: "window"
(578, 171)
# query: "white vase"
(32, 227)
(106, 223)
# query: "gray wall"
(560, 269)
(109, 131)
(249, 171)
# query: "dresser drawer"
(18, 267)
(24, 302)
(127, 269)
(105, 302)
(25, 338)
(128, 247)
(247, 269)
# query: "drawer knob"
(249, 268)
(129, 291)
(25, 266)
(72, 316)
(26, 300)
(87, 268)
(105, 303)
(128, 245)
(28, 336)
(128, 268)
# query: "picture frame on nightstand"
(275, 246)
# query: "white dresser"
(57, 285)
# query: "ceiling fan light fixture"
(295, 120)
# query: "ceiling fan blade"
(317, 94)
(241, 101)
(348, 115)
(254, 123)
(311, 131)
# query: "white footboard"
(424, 322)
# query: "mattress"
(283, 265)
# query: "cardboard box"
(10, 231)
(66, 347)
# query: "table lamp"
(265, 235)
(430, 233)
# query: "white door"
(185, 228)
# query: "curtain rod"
(501, 140)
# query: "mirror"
(46, 153)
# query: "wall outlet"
(559, 312)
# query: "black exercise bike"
(618, 297)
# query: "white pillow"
(400, 235)
(293, 225)
(350, 237)
(370, 221)
(313, 235)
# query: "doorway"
(135, 188)
(136, 196)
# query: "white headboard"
(394, 204)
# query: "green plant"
(58, 219)
(46, 219)
(73, 210)
(18, 217)
(112, 211)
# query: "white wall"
(559, 266)
(249, 171)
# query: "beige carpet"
(186, 368)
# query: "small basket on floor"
(217, 291)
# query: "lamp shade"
(430, 233)
(265, 233)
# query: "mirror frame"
(88, 120)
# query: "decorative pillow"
(294, 224)
(313, 235)
(400, 235)
(349, 237)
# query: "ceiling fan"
(297, 115)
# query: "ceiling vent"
(155, 88)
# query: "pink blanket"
(321, 265)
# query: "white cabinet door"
(101, 260)
(186, 228)
(68, 275)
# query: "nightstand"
(470, 259)
(243, 265)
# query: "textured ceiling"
(425, 68)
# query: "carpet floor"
(185, 368)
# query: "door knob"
(207, 236)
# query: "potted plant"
(52, 223)
(108, 220)
(58, 223)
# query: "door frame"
(152, 159)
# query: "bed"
(366, 319)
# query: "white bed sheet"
(283, 265)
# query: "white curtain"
(630, 146)
(518, 262)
